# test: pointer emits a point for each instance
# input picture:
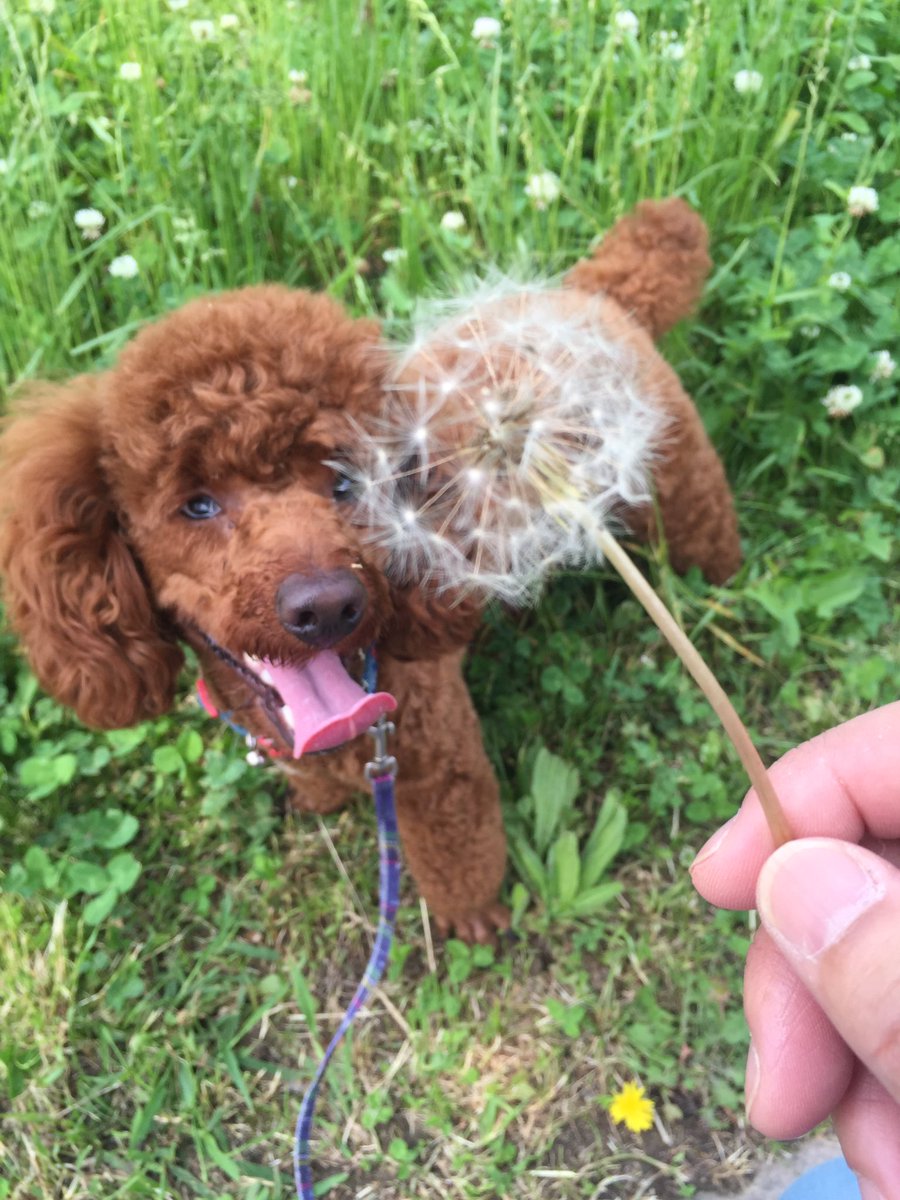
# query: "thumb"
(834, 911)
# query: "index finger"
(842, 784)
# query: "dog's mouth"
(322, 706)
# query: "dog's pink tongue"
(327, 707)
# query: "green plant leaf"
(528, 863)
(122, 828)
(591, 901)
(101, 906)
(124, 870)
(554, 786)
(86, 877)
(605, 841)
(565, 867)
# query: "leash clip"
(383, 765)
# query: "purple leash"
(381, 773)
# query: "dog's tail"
(653, 262)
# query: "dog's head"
(185, 494)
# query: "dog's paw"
(477, 926)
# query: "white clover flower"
(4, 166)
(177, 5)
(746, 82)
(515, 426)
(810, 332)
(543, 188)
(673, 51)
(130, 71)
(453, 221)
(290, 182)
(859, 62)
(90, 221)
(38, 209)
(229, 21)
(849, 136)
(295, 76)
(861, 201)
(125, 266)
(840, 401)
(43, 8)
(203, 31)
(393, 254)
(625, 21)
(486, 29)
(840, 281)
(883, 367)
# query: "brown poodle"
(183, 497)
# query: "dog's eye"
(201, 508)
(343, 488)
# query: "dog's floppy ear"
(72, 590)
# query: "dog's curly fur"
(245, 395)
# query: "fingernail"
(810, 892)
(714, 844)
(868, 1190)
(751, 1081)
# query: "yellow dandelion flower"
(632, 1108)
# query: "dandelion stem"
(709, 685)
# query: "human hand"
(822, 984)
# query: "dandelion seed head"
(539, 432)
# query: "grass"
(174, 950)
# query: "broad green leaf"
(528, 863)
(566, 867)
(605, 841)
(101, 906)
(86, 877)
(554, 785)
(591, 901)
(122, 828)
(124, 870)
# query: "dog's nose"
(321, 609)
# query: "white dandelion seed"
(883, 367)
(504, 496)
(543, 188)
(536, 431)
(861, 201)
(840, 281)
(747, 82)
(124, 266)
(130, 71)
(840, 401)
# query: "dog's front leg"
(448, 803)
